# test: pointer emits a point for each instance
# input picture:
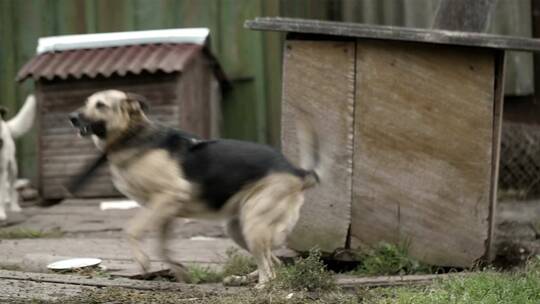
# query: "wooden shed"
(411, 120)
(173, 69)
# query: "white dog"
(10, 130)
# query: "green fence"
(252, 60)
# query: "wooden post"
(535, 8)
(464, 15)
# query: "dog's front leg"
(155, 214)
(179, 270)
(4, 194)
(13, 193)
(14, 204)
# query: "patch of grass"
(25, 233)
(306, 274)
(389, 259)
(238, 264)
(487, 287)
(202, 275)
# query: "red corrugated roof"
(109, 61)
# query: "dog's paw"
(239, 280)
(261, 286)
(3, 215)
(236, 280)
(143, 261)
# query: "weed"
(201, 275)
(25, 233)
(238, 264)
(308, 274)
(389, 259)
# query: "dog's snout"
(75, 118)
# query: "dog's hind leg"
(234, 231)
(267, 217)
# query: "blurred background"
(251, 60)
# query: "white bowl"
(74, 263)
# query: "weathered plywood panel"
(319, 79)
(423, 149)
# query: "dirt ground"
(86, 231)
(78, 228)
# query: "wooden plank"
(535, 7)
(206, 13)
(328, 95)
(393, 33)
(423, 155)
(114, 16)
(29, 24)
(241, 61)
(148, 17)
(464, 15)
(272, 56)
(498, 105)
(193, 91)
(354, 282)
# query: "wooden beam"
(464, 15)
(385, 32)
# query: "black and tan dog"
(175, 174)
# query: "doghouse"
(173, 69)
(411, 119)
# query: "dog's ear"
(137, 102)
(3, 112)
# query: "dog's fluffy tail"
(311, 156)
(23, 121)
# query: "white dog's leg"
(12, 179)
(14, 204)
(4, 195)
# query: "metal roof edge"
(102, 40)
